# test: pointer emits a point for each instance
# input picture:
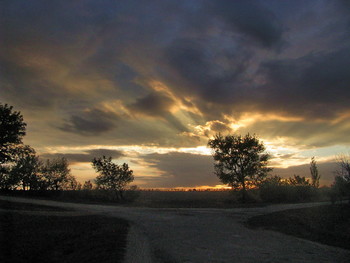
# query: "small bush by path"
(325, 224)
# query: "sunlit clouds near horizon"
(149, 82)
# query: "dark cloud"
(91, 122)
(86, 156)
(251, 19)
(157, 104)
(50, 50)
(154, 104)
(218, 126)
(220, 58)
(25, 85)
(175, 122)
(183, 169)
(315, 85)
(206, 71)
(286, 156)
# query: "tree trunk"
(244, 193)
(119, 195)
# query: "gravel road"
(207, 235)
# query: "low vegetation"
(325, 224)
(93, 196)
(7, 205)
(185, 199)
(38, 238)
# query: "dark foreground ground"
(328, 224)
(55, 237)
(73, 234)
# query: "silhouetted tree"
(56, 174)
(344, 167)
(27, 170)
(12, 130)
(7, 181)
(112, 176)
(315, 176)
(341, 185)
(273, 180)
(297, 180)
(71, 183)
(238, 159)
(87, 185)
(273, 189)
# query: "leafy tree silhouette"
(315, 176)
(341, 185)
(27, 170)
(238, 159)
(56, 174)
(12, 130)
(297, 180)
(87, 185)
(112, 176)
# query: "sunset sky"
(149, 82)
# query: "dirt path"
(207, 235)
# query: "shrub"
(276, 190)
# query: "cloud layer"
(170, 74)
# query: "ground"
(35, 233)
(207, 235)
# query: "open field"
(325, 224)
(186, 199)
(153, 199)
(52, 238)
(173, 199)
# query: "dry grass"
(190, 199)
(34, 238)
(325, 224)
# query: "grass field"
(155, 199)
(191, 199)
(31, 207)
(175, 199)
(34, 238)
(325, 224)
